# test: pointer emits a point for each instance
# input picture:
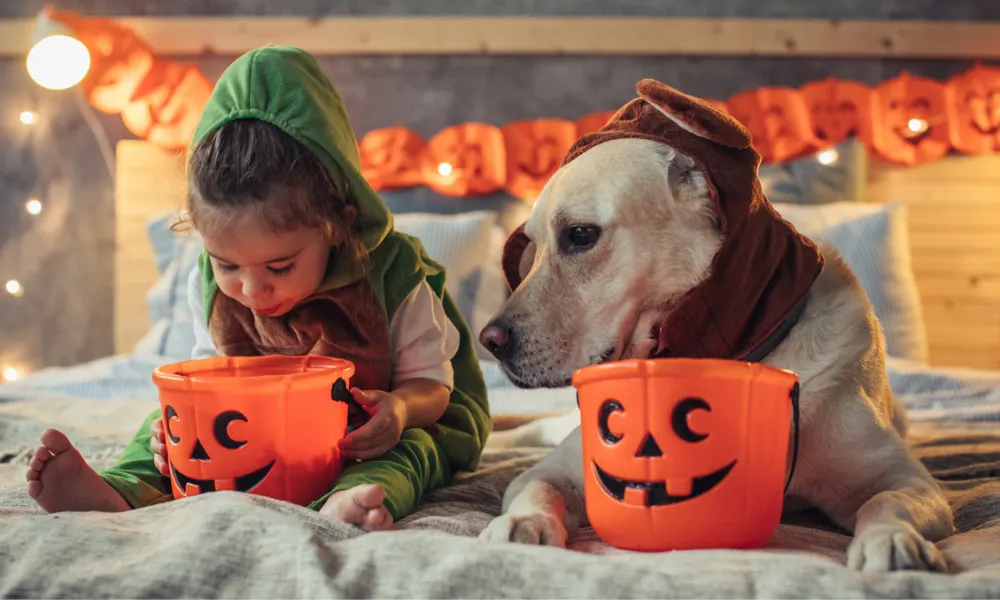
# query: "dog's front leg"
(545, 503)
(869, 482)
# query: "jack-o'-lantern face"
(839, 110)
(973, 102)
(911, 120)
(229, 451)
(778, 120)
(684, 453)
(634, 469)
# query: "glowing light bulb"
(444, 169)
(58, 62)
(28, 117)
(33, 206)
(827, 157)
(917, 125)
(10, 374)
(14, 288)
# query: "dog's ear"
(695, 116)
(518, 257)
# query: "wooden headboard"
(954, 216)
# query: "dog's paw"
(894, 548)
(537, 529)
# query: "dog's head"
(654, 237)
(616, 236)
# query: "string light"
(917, 125)
(28, 117)
(58, 62)
(14, 288)
(444, 169)
(10, 374)
(827, 157)
(33, 206)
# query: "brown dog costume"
(764, 268)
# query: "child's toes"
(34, 488)
(378, 519)
(56, 441)
(369, 496)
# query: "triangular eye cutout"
(649, 448)
(199, 452)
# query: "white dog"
(618, 235)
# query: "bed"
(925, 259)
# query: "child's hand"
(382, 431)
(159, 446)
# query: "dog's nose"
(495, 337)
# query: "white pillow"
(874, 241)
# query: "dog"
(618, 238)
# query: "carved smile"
(244, 483)
(655, 493)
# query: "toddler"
(301, 258)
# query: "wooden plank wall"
(953, 208)
(148, 181)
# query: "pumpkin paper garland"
(910, 120)
(535, 149)
(839, 110)
(390, 157)
(465, 159)
(973, 105)
(778, 120)
(907, 120)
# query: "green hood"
(285, 87)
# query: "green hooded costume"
(349, 315)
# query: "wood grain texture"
(148, 182)
(604, 35)
(953, 209)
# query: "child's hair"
(250, 170)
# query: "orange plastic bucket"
(685, 453)
(264, 425)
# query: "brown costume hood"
(764, 268)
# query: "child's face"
(268, 272)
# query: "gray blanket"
(233, 545)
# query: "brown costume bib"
(347, 323)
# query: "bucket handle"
(341, 393)
(794, 396)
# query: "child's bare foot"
(59, 479)
(360, 506)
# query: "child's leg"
(375, 493)
(59, 479)
(135, 477)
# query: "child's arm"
(425, 400)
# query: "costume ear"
(518, 256)
(694, 115)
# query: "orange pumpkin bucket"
(264, 425)
(685, 453)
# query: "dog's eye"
(577, 238)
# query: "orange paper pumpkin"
(973, 104)
(778, 120)
(839, 110)
(535, 149)
(910, 120)
(592, 123)
(390, 157)
(467, 159)
(684, 453)
(264, 425)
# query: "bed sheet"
(234, 545)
